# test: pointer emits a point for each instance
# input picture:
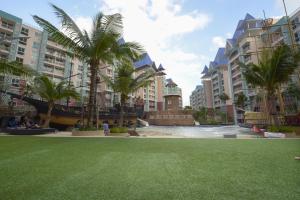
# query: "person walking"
(106, 128)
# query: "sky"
(182, 35)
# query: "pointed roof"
(121, 41)
(248, 17)
(221, 58)
(205, 70)
(161, 68)
(144, 61)
(241, 27)
(170, 82)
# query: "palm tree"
(125, 83)
(15, 68)
(241, 100)
(224, 97)
(52, 92)
(273, 70)
(102, 46)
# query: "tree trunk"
(267, 112)
(93, 80)
(48, 116)
(281, 102)
(121, 111)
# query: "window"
(295, 22)
(297, 37)
(24, 31)
(169, 102)
(7, 25)
(23, 41)
(21, 51)
(19, 60)
(15, 82)
(247, 58)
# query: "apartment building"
(220, 83)
(33, 47)
(286, 30)
(148, 93)
(207, 84)
(197, 98)
(243, 47)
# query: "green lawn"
(111, 168)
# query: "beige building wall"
(207, 84)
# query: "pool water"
(195, 131)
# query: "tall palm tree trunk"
(266, 109)
(91, 103)
(48, 116)
(122, 111)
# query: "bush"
(119, 130)
(282, 129)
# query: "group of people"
(24, 122)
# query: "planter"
(87, 133)
(274, 135)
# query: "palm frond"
(59, 37)
(128, 51)
(71, 27)
(15, 68)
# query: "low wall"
(171, 118)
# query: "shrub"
(282, 129)
(119, 130)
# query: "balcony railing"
(172, 91)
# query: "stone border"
(87, 133)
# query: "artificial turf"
(110, 168)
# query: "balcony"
(7, 26)
(172, 91)
(235, 73)
(5, 49)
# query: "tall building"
(197, 98)
(284, 31)
(243, 47)
(207, 84)
(220, 84)
(148, 93)
(33, 47)
(160, 80)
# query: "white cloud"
(84, 23)
(157, 25)
(291, 5)
(218, 41)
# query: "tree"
(103, 45)
(273, 70)
(52, 92)
(187, 108)
(15, 68)
(125, 83)
(241, 100)
(224, 97)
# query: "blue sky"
(183, 35)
